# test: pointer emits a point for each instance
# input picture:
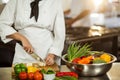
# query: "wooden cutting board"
(55, 67)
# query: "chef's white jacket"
(77, 7)
(66, 4)
(47, 35)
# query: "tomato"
(23, 75)
(38, 76)
(30, 76)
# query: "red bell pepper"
(60, 74)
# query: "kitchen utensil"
(90, 69)
(39, 59)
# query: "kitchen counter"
(113, 73)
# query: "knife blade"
(38, 58)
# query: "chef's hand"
(69, 22)
(27, 46)
(50, 59)
(25, 43)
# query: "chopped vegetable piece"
(99, 60)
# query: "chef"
(38, 25)
(79, 13)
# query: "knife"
(38, 58)
(35, 56)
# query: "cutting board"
(55, 67)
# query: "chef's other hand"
(50, 59)
(27, 46)
(69, 22)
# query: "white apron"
(41, 40)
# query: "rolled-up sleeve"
(7, 18)
(59, 33)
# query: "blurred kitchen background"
(102, 32)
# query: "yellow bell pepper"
(106, 57)
(31, 69)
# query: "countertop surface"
(112, 74)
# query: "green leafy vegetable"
(48, 71)
(75, 51)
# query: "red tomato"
(23, 75)
(30, 76)
(38, 76)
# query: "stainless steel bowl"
(89, 69)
